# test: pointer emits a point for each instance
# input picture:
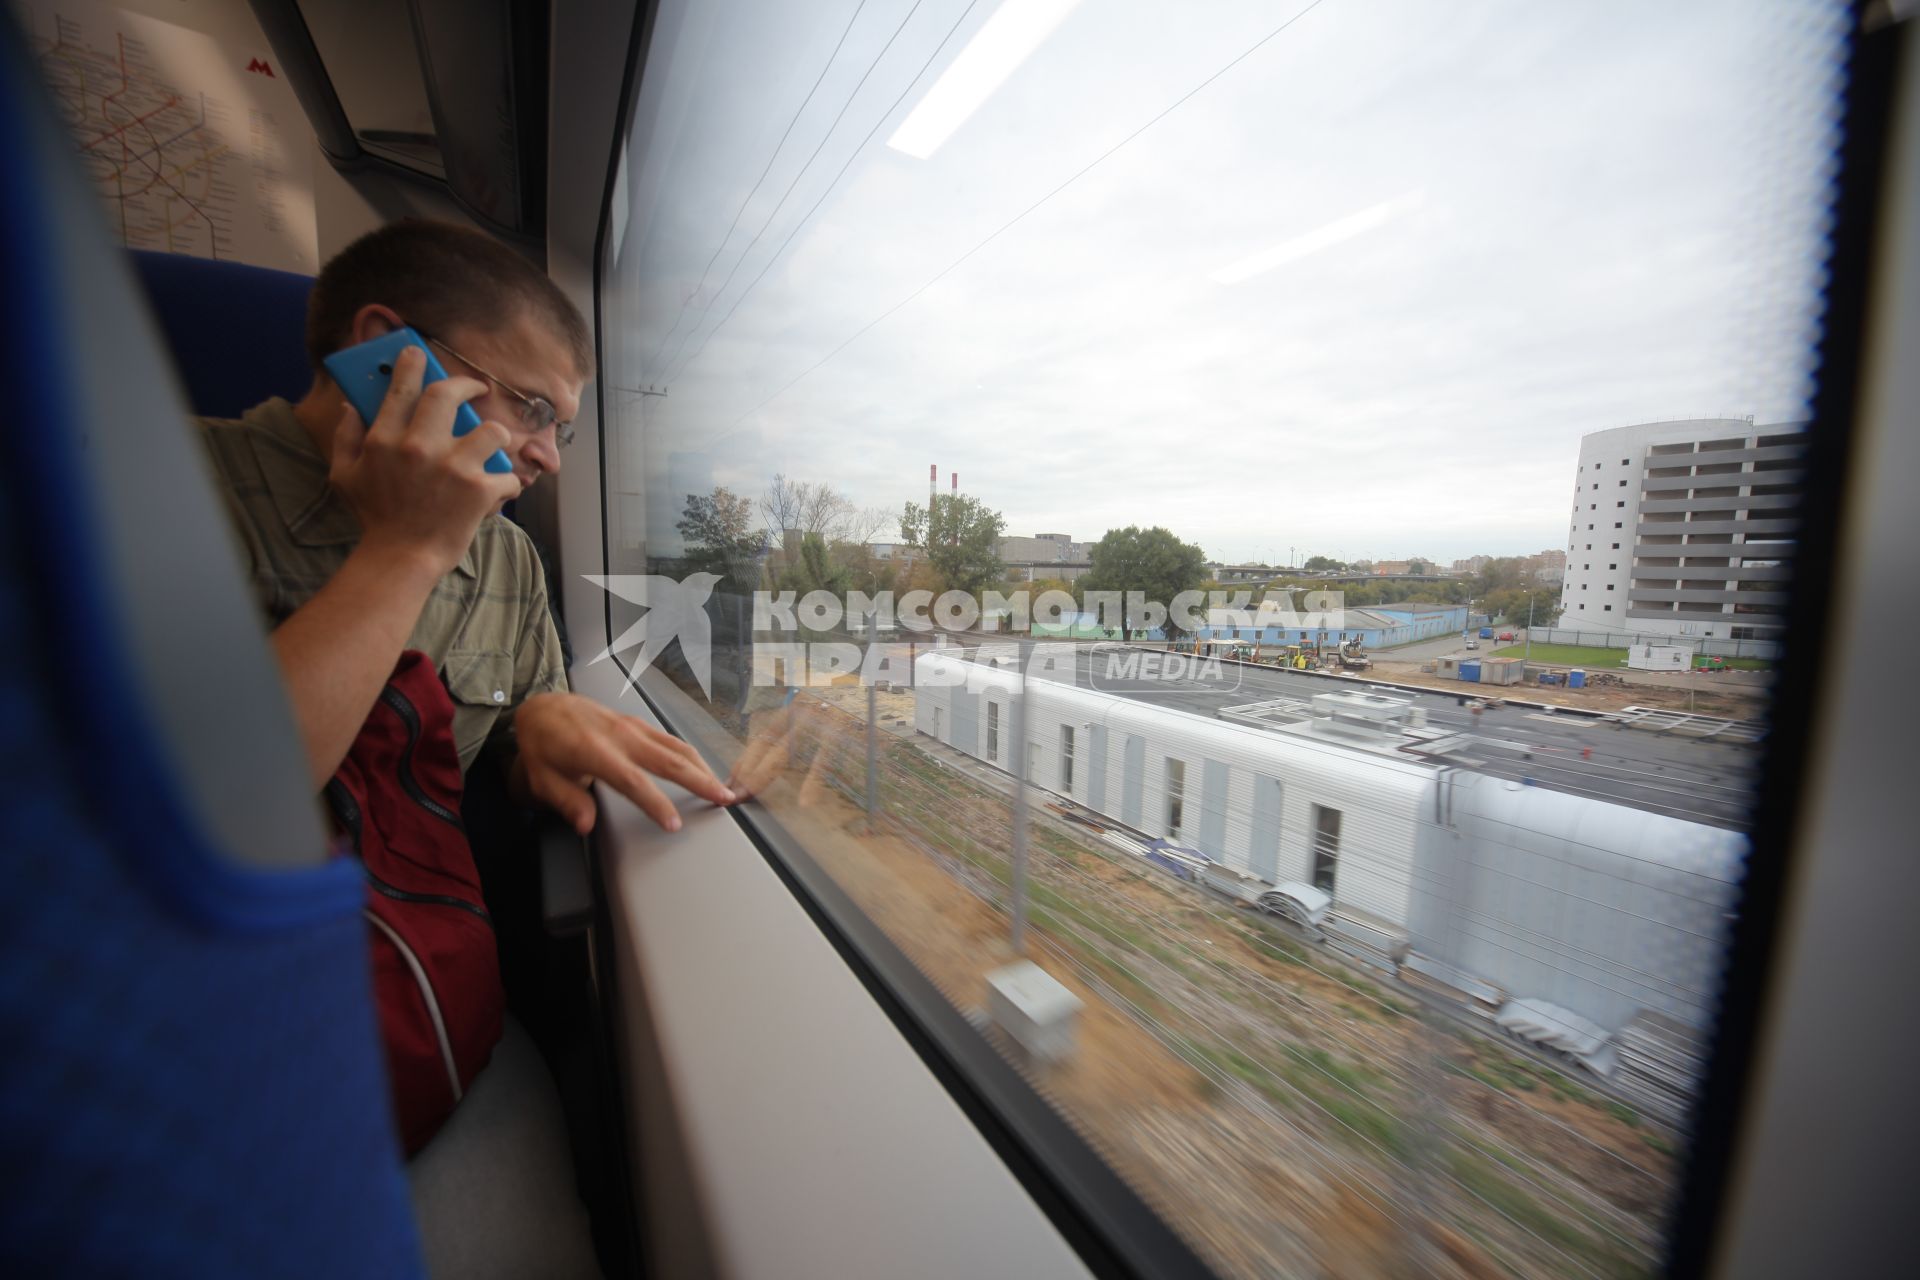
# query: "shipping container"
(1502, 670)
(1659, 657)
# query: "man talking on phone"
(365, 539)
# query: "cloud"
(1459, 237)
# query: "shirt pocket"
(481, 684)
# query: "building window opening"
(1176, 797)
(1326, 846)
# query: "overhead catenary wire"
(1330, 1030)
(838, 741)
(1172, 1041)
(1006, 226)
(1175, 1045)
(772, 156)
(1692, 813)
(828, 190)
(1329, 1015)
(1408, 768)
(943, 801)
(949, 796)
(1248, 978)
(1414, 873)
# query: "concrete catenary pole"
(873, 758)
(1018, 717)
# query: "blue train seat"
(492, 1195)
(190, 1079)
(253, 318)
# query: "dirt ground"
(1212, 1065)
(1733, 695)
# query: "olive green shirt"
(486, 625)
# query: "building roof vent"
(1362, 715)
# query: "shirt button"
(499, 695)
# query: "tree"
(959, 539)
(814, 568)
(1321, 564)
(1040, 586)
(1500, 573)
(793, 509)
(721, 539)
(862, 526)
(1512, 604)
(1420, 567)
(1361, 595)
(1150, 561)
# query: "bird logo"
(675, 610)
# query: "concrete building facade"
(1684, 528)
(1045, 555)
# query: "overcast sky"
(1360, 296)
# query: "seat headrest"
(234, 330)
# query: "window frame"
(1100, 1214)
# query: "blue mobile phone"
(365, 371)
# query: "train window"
(892, 288)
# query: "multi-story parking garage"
(1684, 528)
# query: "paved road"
(1445, 646)
(1700, 780)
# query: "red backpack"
(436, 975)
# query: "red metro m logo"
(259, 66)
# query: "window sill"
(780, 1124)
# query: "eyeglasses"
(536, 413)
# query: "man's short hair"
(439, 276)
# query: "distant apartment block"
(1549, 567)
(1416, 565)
(1684, 528)
(1046, 555)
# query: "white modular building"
(1600, 908)
(1259, 803)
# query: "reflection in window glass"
(947, 344)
